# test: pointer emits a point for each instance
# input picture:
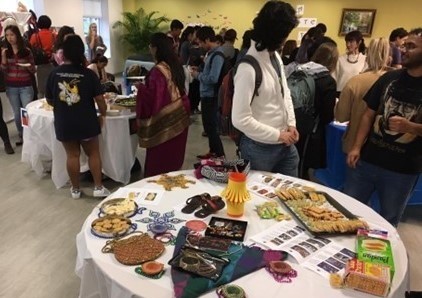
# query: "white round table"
(43, 152)
(102, 276)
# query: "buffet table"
(44, 153)
(102, 276)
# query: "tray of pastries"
(111, 226)
(319, 212)
(125, 207)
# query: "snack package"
(367, 277)
(375, 251)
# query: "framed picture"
(357, 19)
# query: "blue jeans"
(275, 158)
(209, 109)
(19, 97)
(394, 189)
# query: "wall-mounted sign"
(300, 9)
(307, 22)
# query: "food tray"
(116, 202)
(348, 224)
(112, 234)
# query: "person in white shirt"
(267, 120)
(353, 62)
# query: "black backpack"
(302, 92)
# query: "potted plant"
(137, 28)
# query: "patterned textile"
(243, 260)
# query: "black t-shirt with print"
(71, 91)
(396, 93)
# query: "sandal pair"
(210, 206)
(195, 202)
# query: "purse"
(134, 250)
(40, 56)
(169, 122)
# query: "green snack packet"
(375, 251)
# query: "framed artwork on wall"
(357, 19)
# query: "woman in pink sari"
(166, 76)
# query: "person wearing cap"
(228, 48)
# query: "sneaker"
(75, 192)
(101, 192)
(8, 148)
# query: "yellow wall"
(240, 13)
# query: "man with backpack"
(210, 80)
(267, 118)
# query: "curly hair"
(273, 25)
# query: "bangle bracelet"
(189, 263)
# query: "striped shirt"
(16, 73)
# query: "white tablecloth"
(102, 276)
(44, 153)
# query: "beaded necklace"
(353, 61)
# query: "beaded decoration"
(154, 276)
(285, 275)
(230, 291)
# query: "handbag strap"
(164, 68)
(39, 40)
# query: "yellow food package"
(367, 277)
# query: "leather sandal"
(195, 202)
(210, 206)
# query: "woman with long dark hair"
(164, 84)
(17, 64)
(58, 44)
(73, 90)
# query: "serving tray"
(323, 217)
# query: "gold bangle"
(189, 263)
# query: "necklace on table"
(353, 61)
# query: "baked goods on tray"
(111, 226)
(126, 207)
(319, 212)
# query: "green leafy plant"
(137, 28)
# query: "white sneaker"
(101, 192)
(75, 192)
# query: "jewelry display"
(189, 263)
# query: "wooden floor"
(38, 225)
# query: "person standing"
(208, 79)
(164, 84)
(72, 90)
(44, 39)
(397, 38)
(351, 105)
(176, 28)
(387, 154)
(95, 42)
(267, 119)
(352, 62)
(17, 64)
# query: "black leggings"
(4, 133)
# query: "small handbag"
(40, 56)
(169, 122)
(134, 250)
